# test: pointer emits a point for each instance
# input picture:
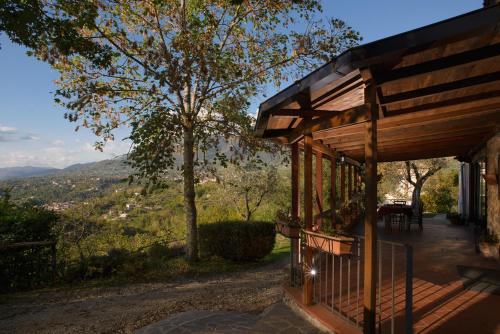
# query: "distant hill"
(26, 171)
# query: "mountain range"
(114, 167)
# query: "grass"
(172, 269)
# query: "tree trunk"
(415, 198)
(189, 196)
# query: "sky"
(33, 131)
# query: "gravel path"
(127, 308)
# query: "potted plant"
(287, 225)
(489, 245)
(329, 240)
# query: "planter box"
(329, 244)
(490, 250)
(286, 230)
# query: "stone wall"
(493, 204)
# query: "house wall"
(493, 198)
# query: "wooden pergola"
(429, 92)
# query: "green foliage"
(29, 267)
(440, 194)
(248, 185)
(237, 240)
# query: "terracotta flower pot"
(490, 250)
(286, 230)
(329, 244)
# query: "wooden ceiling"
(439, 98)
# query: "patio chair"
(397, 219)
(417, 218)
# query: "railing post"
(409, 289)
(308, 217)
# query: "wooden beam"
(302, 113)
(333, 185)
(308, 214)
(440, 88)
(396, 119)
(350, 116)
(370, 247)
(338, 94)
(369, 79)
(325, 150)
(457, 59)
(319, 182)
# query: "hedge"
(237, 240)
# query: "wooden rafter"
(353, 115)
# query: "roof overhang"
(438, 93)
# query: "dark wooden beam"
(334, 87)
(353, 115)
(325, 150)
(302, 112)
(440, 88)
(446, 103)
(468, 56)
(369, 79)
(370, 246)
(308, 215)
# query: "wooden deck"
(455, 290)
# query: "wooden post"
(349, 182)
(370, 251)
(295, 180)
(308, 215)
(356, 185)
(333, 184)
(319, 182)
(295, 243)
(342, 183)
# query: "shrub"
(237, 240)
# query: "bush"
(237, 240)
(28, 267)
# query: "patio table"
(385, 211)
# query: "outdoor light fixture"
(313, 272)
(342, 159)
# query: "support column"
(370, 251)
(319, 182)
(294, 243)
(349, 182)
(295, 180)
(308, 215)
(333, 184)
(342, 183)
(356, 184)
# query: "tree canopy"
(180, 73)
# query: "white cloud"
(30, 137)
(7, 129)
(58, 142)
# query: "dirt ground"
(126, 308)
